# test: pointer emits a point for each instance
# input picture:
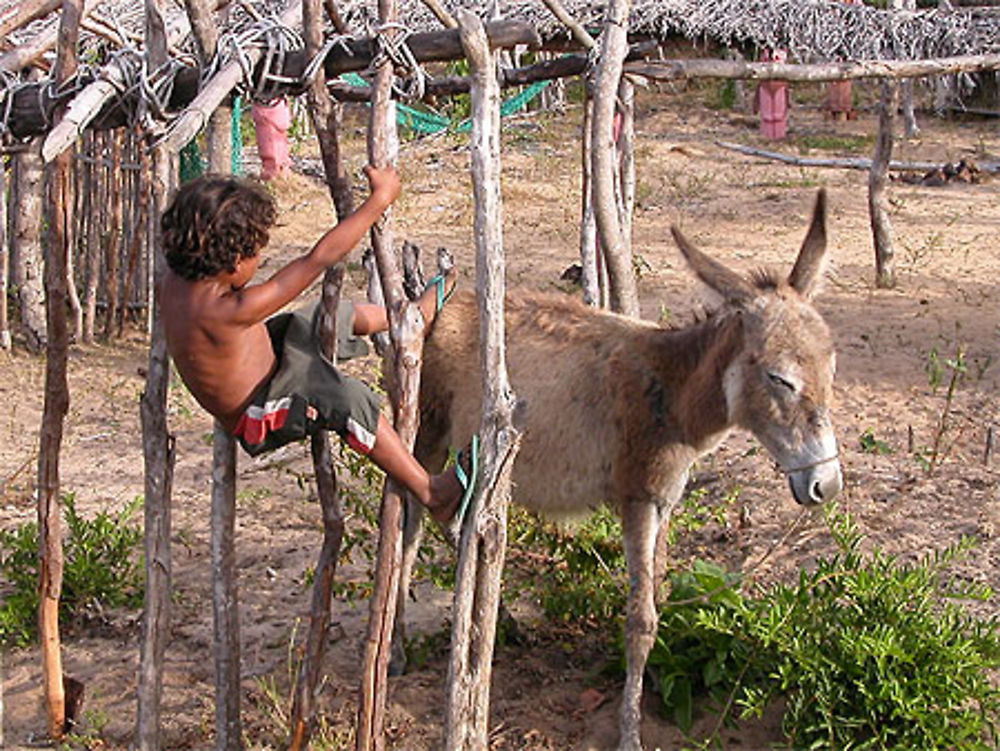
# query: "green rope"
(191, 163)
(431, 122)
(236, 151)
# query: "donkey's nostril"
(816, 492)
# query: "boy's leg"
(370, 318)
(439, 493)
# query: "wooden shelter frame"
(94, 101)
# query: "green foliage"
(585, 578)
(695, 513)
(102, 569)
(689, 659)
(869, 652)
(872, 445)
(838, 142)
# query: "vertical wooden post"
(158, 446)
(591, 260)
(142, 183)
(225, 593)
(26, 242)
(878, 204)
(484, 535)
(5, 339)
(58, 195)
(94, 242)
(626, 160)
(303, 704)
(405, 329)
(613, 49)
(115, 236)
(325, 115)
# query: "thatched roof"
(811, 30)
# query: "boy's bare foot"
(435, 295)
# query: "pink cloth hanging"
(772, 101)
(272, 122)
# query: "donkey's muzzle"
(818, 483)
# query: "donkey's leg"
(412, 534)
(641, 522)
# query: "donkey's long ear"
(733, 287)
(809, 266)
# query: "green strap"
(422, 121)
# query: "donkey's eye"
(781, 382)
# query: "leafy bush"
(689, 659)
(869, 652)
(102, 568)
(585, 574)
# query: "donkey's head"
(779, 385)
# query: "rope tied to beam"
(391, 47)
(276, 40)
(316, 63)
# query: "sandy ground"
(547, 692)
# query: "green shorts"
(307, 393)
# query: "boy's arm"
(255, 303)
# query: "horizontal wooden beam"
(31, 114)
(842, 71)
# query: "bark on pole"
(113, 250)
(26, 243)
(304, 700)
(57, 208)
(405, 329)
(878, 203)
(624, 294)
(5, 341)
(484, 534)
(325, 115)
(158, 447)
(225, 593)
(626, 160)
(594, 273)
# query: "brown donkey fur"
(615, 410)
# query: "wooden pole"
(225, 593)
(303, 704)
(26, 54)
(112, 251)
(5, 339)
(26, 243)
(624, 293)
(878, 203)
(325, 115)
(24, 13)
(158, 445)
(625, 148)
(56, 404)
(405, 329)
(484, 535)
(143, 183)
(594, 273)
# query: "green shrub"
(102, 568)
(869, 652)
(585, 576)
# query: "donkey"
(616, 409)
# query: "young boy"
(265, 380)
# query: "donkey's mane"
(766, 280)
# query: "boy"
(264, 380)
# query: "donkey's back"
(574, 371)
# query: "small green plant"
(695, 512)
(585, 568)
(872, 445)
(689, 659)
(867, 651)
(955, 368)
(835, 142)
(102, 568)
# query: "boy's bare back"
(215, 321)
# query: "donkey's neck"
(697, 358)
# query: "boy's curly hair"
(214, 220)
